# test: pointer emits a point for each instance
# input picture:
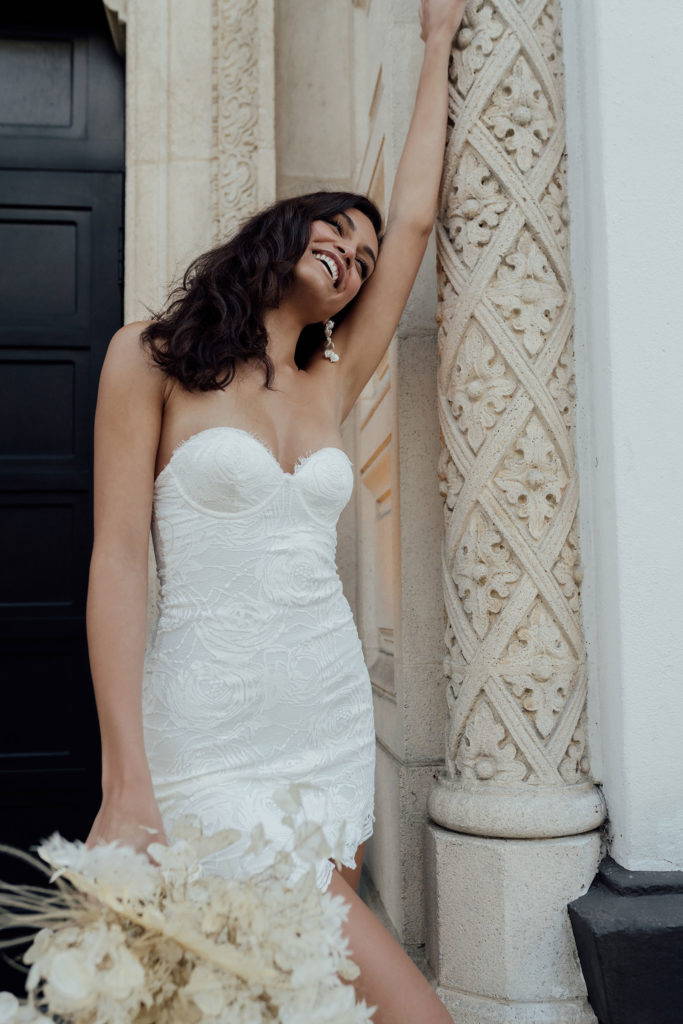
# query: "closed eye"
(331, 220)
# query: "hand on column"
(438, 16)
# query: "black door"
(61, 210)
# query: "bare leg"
(388, 978)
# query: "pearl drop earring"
(328, 351)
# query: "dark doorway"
(61, 229)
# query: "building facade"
(512, 551)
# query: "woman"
(219, 421)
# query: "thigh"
(388, 978)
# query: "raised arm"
(414, 195)
(364, 335)
(127, 426)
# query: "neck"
(283, 325)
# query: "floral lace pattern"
(255, 675)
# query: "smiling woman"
(218, 422)
(226, 291)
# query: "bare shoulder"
(128, 360)
(126, 348)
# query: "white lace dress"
(255, 675)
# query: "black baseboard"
(628, 930)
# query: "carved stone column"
(516, 758)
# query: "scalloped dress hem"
(348, 859)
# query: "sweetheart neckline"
(301, 461)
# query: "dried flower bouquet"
(122, 940)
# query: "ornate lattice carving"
(515, 659)
(475, 206)
(480, 386)
(532, 477)
(574, 765)
(485, 750)
(483, 571)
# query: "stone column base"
(468, 1009)
(499, 941)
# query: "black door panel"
(61, 231)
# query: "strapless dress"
(254, 676)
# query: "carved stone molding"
(243, 171)
(516, 762)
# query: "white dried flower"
(14, 1012)
(111, 865)
(9, 1005)
(87, 969)
(133, 942)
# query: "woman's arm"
(127, 426)
(414, 196)
(364, 335)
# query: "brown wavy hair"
(214, 319)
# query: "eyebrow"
(362, 248)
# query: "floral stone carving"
(514, 661)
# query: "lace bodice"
(255, 675)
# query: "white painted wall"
(624, 85)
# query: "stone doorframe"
(200, 142)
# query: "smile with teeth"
(329, 263)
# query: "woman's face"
(339, 259)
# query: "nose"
(344, 252)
